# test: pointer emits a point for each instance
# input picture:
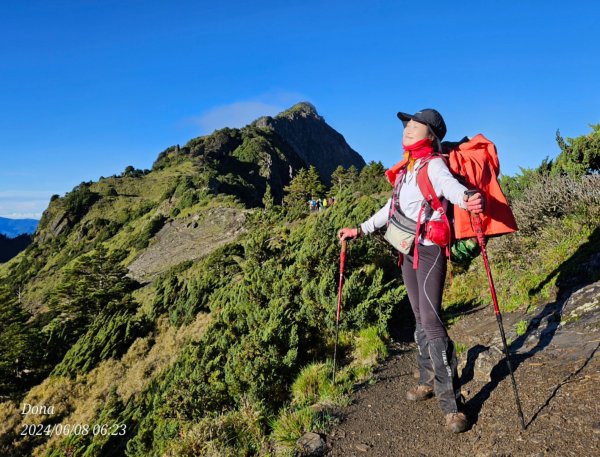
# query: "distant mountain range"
(15, 227)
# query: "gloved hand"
(348, 233)
(475, 203)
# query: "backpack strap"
(396, 192)
(433, 201)
(417, 235)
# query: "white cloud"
(22, 215)
(20, 204)
(236, 114)
(241, 113)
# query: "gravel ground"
(557, 369)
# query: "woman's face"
(413, 132)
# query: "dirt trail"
(557, 365)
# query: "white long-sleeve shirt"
(446, 187)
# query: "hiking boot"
(419, 393)
(456, 422)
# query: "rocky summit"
(312, 139)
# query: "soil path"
(557, 368)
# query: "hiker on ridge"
(424, 266)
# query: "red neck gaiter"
(420, 149)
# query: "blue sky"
(89, 87)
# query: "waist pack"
(401, 231)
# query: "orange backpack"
(475, 164)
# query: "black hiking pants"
(436, 357)
(425, 287)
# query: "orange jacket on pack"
(475, 162)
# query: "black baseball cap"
(429, 117)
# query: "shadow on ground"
(581, 269)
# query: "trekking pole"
(339, 302)
(476, 221)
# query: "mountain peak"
(301, 109)
(312, 139)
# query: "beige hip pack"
(401, 231)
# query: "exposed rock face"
(312, 139)
(583, 306)
(565, 329)
(53, 228)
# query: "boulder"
(311, 444)
(485, 363)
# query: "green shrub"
(313, 384)
(291, 424)
(184, 296)
(189, 198)
(95, 283)
(369, 346)
(521, 327)
(109, 336)
(142, 209)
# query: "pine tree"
(579, 156)
(268, 200)
(315, 186)
(95, 283)
(372, 178)
(302, 187)
(338, 179)
(19, 345)
(352, 176)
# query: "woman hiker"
(436, 358)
